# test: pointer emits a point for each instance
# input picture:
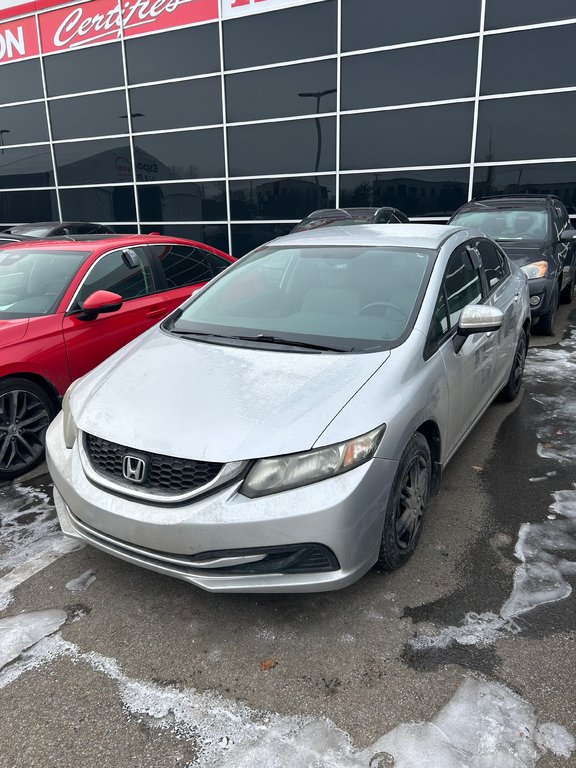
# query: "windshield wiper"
(265, 339)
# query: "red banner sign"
(18, 39)
(100, 21)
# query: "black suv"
(333, 217)
(535, 233)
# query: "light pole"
(2, 132)
(318, 95)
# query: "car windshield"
(343, 298)
(507, 223)
(32, 282)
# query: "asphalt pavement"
(463, 658)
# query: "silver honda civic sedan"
(284, 429)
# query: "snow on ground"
(542, 548)
(82, 582)
(484, 725)
(30, 537)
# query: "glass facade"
(231, 129)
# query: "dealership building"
(229, 120)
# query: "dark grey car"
(535, 233)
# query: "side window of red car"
(127, 274)
(185, 265)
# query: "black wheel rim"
(411, 502)
(519, 360)
(23, 423)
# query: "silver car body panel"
(211, 402)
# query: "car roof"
(407, 236)
(510, 201)
(109, 242)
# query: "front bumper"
(343, 514)
(541, 288)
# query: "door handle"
(156, 312)
(516, 296)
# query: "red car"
(67, 305)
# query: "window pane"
(246, 237)
(182, 155)
(509, 63)
(373, 23)
(294, 33)
(180, 53)
(293, 147)
(422, 73)
(463, 285)
(183, 265)
(98, 204)
(281, 198)
(21, 81)
(540, 179)
(112, 273)
(278, 92)
(93, 162)
(502, 124)
(21, 125)
(26, 167)
(177, 105)
(88, 69)
(215, 235)
(492, 262)
(416, 193)
(204, 201)
(421, 136)
(515, 13)
(35, 205)
(89, 115)
(441, 324)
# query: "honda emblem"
(134, 469)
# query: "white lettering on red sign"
(103, 20)
(18, 39)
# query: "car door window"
(561, 219)
(493, 263)
(185, 265)
(125, 274)
(462, 285)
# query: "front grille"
(163, 473)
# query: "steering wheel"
(386, 305)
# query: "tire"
(407, 502)
(514, 383)
(26, 410)
(567, 293)
(545, 324)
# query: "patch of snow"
(484, 725)
(23, 630)
(82, 582)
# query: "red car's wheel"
(25, 413)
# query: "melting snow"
(20, 632)
(82, 582)
(484, 725)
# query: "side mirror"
(98, 303)
(479, 318)
(568, 236)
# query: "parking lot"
(460, 658)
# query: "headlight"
(284, 472)
(537, 269)
(70, 429)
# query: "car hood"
(11, 331)
(525, 253)
(210, 402)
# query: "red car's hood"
(12, 331)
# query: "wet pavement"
(461, 659)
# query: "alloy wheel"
(411, 502)
(24, 419)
